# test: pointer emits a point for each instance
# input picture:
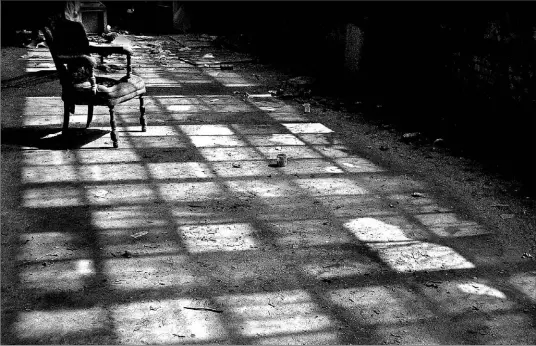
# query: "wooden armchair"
(71, 52)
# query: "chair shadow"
(50, 138)
(32, 78)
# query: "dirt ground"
(188, 233)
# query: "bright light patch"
(420, 256)
(373, 230)
(481, 289)
(402, 253)
(52, 197)
(224, 237)
(51, 327)
(274, 314)
(180, 108)
(168, 322)
(307, 128)
(85, 267)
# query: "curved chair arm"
(107, 49)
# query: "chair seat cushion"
(109, 91)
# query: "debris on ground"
(507, 216)
(384, 148)
(139, 234)
(126, 254)
(236, 165)
(417, 194)
(203, 309)
(411, 136)
(440, 142)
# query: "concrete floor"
(187, 234)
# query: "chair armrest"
(107, 49)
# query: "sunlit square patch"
(307, 128)
(50, 197)
(62, 326)
(168, 321)
(276, 314)
(420, 256)
(218, 237)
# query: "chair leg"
(66, 115)
(89, 115)
(114, 132)
(142, 116)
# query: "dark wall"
(461, 71)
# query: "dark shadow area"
(48, 138)
(464, 74)
(31, 78)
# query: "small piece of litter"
(179, 336)
(100, 193)
(208, 56)
(203, 309)
(417, 194)
(139, 234)
(507, 216)
(127, 254)
(236, 165)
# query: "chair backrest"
(65, 37)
